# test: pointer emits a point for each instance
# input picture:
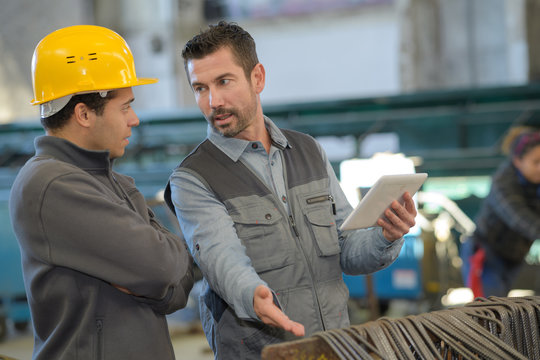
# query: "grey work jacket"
(298, 256)
(82, 229)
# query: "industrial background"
(437, 81)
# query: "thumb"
(263, 292)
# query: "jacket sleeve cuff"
(391, 249)
(246, 311)
(383, 243)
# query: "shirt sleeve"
(214, 244)
(363, 251)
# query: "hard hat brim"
(138, 82)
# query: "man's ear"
(258, 78)
(83, 115)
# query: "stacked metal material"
(488, 328)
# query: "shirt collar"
(234, 148)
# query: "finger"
(263, 292)
(272, 315)
(401, 214)
(389, 230)
(401, 220)
(393, 228)
(297, 329)
(288, 325)
(409, 204)
(264, 305)
(277, 318)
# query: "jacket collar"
(68, 152)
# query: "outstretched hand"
(270, 314)
(399, 218)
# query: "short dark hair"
(223, 34)
(93, 100)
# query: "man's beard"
(234, 127)
(243, 119)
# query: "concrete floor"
(189, 345)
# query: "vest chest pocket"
(262, 231)
(323, 229)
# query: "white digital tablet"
(379, 197)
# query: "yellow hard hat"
(82, 59)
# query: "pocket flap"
(324, 231)
(257, 215)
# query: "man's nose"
(133, 120)
(216, 99)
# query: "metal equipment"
(492, 328)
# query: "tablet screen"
(385, 190)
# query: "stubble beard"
(242, 119)
(235, 127)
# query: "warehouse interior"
(436, 82)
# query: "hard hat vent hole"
(91, 57)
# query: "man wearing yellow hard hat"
(100, 272)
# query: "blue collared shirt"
(211, 236)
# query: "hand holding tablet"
(379, 197)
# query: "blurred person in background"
(100, 272)
(260, 208)
(509, 218)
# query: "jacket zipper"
(306, 258)
(322, 198)
(122, 192)
(293, 225)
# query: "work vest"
(297, 255)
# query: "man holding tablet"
(261, 207)
(380, 196)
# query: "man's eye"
(224, 81)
